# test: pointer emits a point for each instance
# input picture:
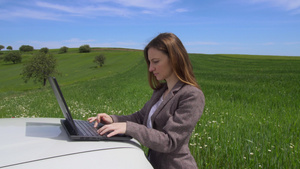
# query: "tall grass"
(251, 116)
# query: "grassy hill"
(251, 117)
(74, 67)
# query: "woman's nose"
(151, 68)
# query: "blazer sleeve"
(140, 116)
(137, 117)
(176, 128)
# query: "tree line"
(43, 63)
(8, 47)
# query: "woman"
(167, 120)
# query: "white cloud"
(291, 43)
(181, 10)
(279, 43)
(77, 40)
(133, 45)
(291, 4)
(201, 43)
(27, 13)
(268, 43)
(153, 4)
(86, 11)
(56, 7)
(285, 4)
(62, 11)
(147, 4)
(66, 11)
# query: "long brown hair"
(171, 45)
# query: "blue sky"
(264, 27)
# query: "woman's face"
(160, 64)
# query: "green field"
(251, 116)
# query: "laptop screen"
(61, 101)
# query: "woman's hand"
(101, 118)
(113, 129)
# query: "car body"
(43, 143)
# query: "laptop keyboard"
(86, 128)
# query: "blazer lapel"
(170, 95)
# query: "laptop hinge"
(69, 128)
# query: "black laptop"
(79, 129)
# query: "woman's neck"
(171, 82)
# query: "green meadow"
(251, 117)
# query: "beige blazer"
(173, 123)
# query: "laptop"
(79, 130)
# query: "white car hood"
(29, 141)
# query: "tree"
(44, 50)
(13, 56)
(9, 48)
(99, 59)
(84, 49)
(1, 47)
(26, 48)
(63, 49)
(39, 67)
